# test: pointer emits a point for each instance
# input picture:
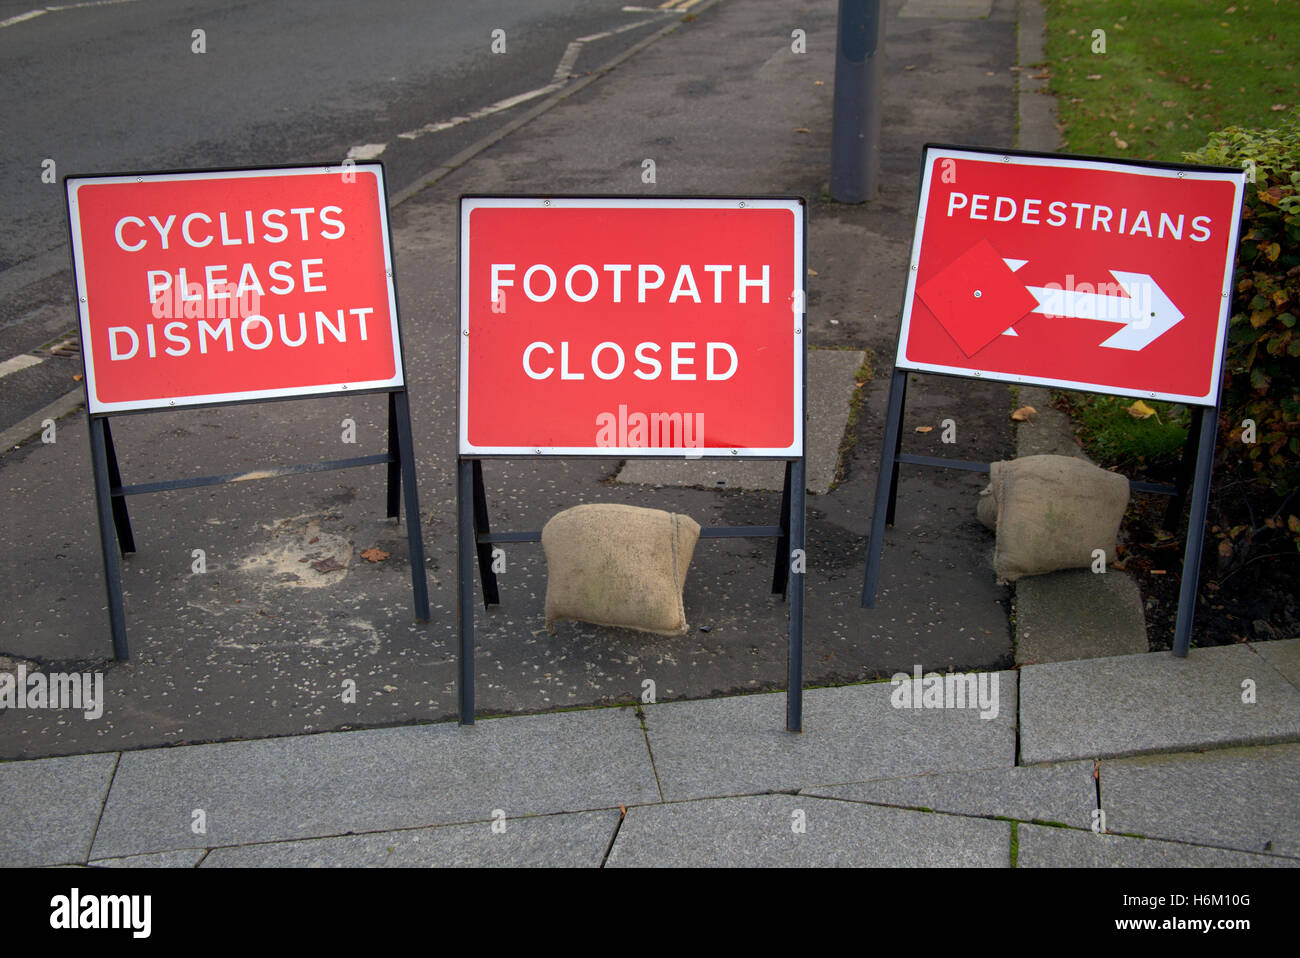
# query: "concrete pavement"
(1068, 764)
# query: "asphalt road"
(118, 85)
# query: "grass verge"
(1171, 73)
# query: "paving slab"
(183, 858)
(1283, 655)
(375, 780)
(577, 840)
(49, 807)
(1242, 798)
(1043, 847)
(759, 831)
(1078, 614)
(1065, 793)
(832, 379)
(1132, 704)
(852, 734)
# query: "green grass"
(1173, 71)
(1116, 439)
(850, 438)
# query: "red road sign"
(222, 286)
(631, 327)
(1082, 274)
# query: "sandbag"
(616, 565)
(1050, 513)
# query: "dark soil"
(1254, 597)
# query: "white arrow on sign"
(1145, 311)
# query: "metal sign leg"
(798, 487)
(898, 448)
(121, 518)
(491, 596)
(465, 586)
(886, 480)
(1186, 468)
(109, 548)
(395, 466)
(414, 531)
(781, 567)
(1195, 533)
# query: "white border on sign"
(94, 405)
(470, 203)
(932, 153)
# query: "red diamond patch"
(976, 297)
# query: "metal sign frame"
(475, 539)
(116, 537)
(1197, 461)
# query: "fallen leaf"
(313, 540)
(1140, 410)
(925, 429)
(802, 129)
(1094, 76)
(1024, 414)
(375, 555)
(819, 82)
(77, 378)
(327, 565)
(1122, 144)
(1157, 571)
(1278, 107)
(813, 272)
(910, 66)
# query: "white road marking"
(367, 151)
(567, 61)
(558, 79)
(479, 114)
(20, 18)
(609, 33)
(32, 14)
(19, 362)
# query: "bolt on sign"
(631, 327)
(1076, 273)
(223, 286)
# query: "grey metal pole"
(855, 128)
(1195, 533)
(107, 541)
(465, 588)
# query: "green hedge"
(1262, 371)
